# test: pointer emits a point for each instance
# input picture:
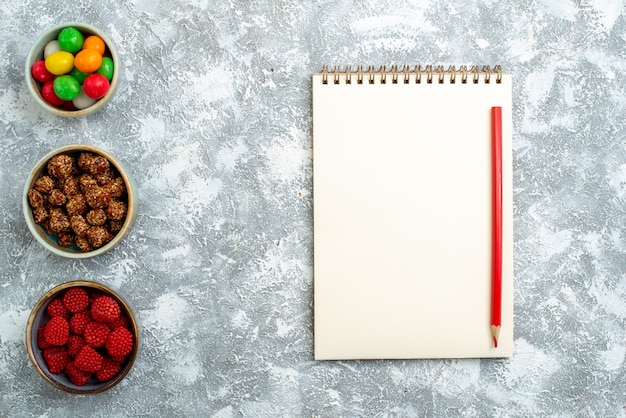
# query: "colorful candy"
(78, 75)
(106, 69)
(41, 73)
(52, 46)
(82, 101)
(66, 87)
(47, 91)
(60, 62)
(96, 86)
(88, 60)
(71, 40)
(94, 42)
(74, 72)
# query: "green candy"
(106, 68)
(66, 87)
(70, 40)
(78, 75)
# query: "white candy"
(52, 46)
(83, 101)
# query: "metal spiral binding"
(418, 74)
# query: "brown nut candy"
(98, 236)
(44, 184)
(46, 227)
(117, 210)
(66, 239)
(87, 182)
(77, 205)
(115, 226)
(83, 244)
(36, 199)
(56, 198)
(59, 221)
(79, 225)
(83, 160)
(71, 186)
(40, 215)
(96, 217)
(97, 197)
(116, 187)
(104, 178)
(61, 166)
(93, 164)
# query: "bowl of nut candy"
(82, 337)
(71, 69)
(79, 201)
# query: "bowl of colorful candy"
(82, 337)
(71, 69)
(79, 201)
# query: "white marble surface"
(213, 117)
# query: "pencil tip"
(495, 333)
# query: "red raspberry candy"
(56, 308)
(96, 334)
(88, 360)
(74, 345)
(57, 331)
(120, 342)
(109, 370)
(121, 321)
(76, 375)
(76, 299)
(78, 322)
(41, 339)
(56, 359)
(105, 309)
(119, 359)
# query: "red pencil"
(496, 274)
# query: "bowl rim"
(34, 54)
(31, 335)
(38, 232)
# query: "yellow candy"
(60, 62)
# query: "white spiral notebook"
(403, 213)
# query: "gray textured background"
(213, 117)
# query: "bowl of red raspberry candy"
(82, 337)
(79, 201)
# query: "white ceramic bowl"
(36, 54)
(50, 241)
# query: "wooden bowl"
(39, 316)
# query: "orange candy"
(88, 60)
(94, 42)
